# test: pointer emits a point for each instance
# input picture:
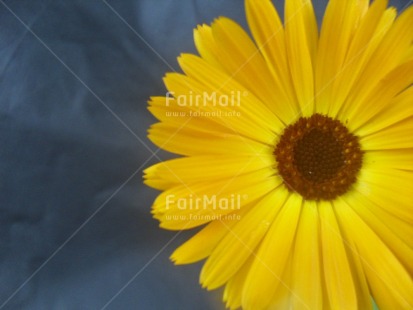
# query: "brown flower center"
(318, 157)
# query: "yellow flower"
(298, 157)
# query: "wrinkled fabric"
(75, 225)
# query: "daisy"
(297, 157)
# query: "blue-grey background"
(75, 224)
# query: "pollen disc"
(318, 157)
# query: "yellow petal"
(202, 244)
(215, 81)
(340, 21)
(201, 168)
(356, 265)
(389, 111)
(389, 188)
(181, 140)
(364, 209)
(306, 269)
(397, 136)
(206, 45)
(272, 257)
(243, 62)
(373, 27)
(167, 110)
(337, 273)
(396, 159)
(402, 229)
(363, 112)
(268, 33)
(409, 54)
(284, 293)
(226, 102)
(240, 243)
(301, 37)
(234, 287)
(388, 55)
(170, 200)
(188, 206)
(389, 282)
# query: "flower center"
(318, 157)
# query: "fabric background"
(75, 224)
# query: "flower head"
(297, 156)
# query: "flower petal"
(181, 140)
(240, 243)
(167, 110)
(367, 36)
(364, 209)
(360, 282)
(340, 21)
(389, 188)
(243, 62)
(306, 267)
(226, 102)
(395, 159)
(268, 33)
(206, 45)
(363, 112)
(387, 57)
(397, 136)
(215, 81)
(234, 287)
(301, 38)
(272, 257)
(284, 293)
(389, 111)
(192, 169)
(339, 283)
(187, 206)
(203, 243)
(389, 282)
